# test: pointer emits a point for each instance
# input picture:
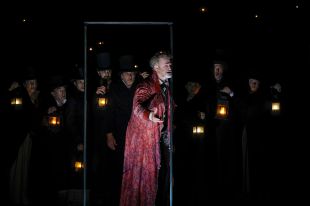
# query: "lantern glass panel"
(16, 101)
(275, 106)
(222, 111)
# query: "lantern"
(17, 102)
(222, 109)
(275, 107)
(78, 163)
(102, 101)
(199, 126)
(275, 102)
(78, 166)
(198, 130)
(55, 122)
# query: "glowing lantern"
(222, 109)
(54, 120)
(275, 102)
(199, 126)
(198, 130)
(17, 102)
(78, 166)
(275, 107)
(102, 101)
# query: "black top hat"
(103, 61)
(28, 73)
(220, 57)
(78, 72)
(56, 81)
(254, 73)
(127, 64)
(194, 77)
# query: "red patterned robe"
(142, 148)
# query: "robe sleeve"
(141, 97)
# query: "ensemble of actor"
(220, 128)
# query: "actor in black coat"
(221, 133)
(118, 114)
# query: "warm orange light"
(102, 101)
(275, 106)
(198, 130)
(54, 120)
(16, 101)
(222, 110)
(78, 165)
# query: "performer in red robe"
(147, 144)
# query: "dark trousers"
(162, 198)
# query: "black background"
(277, 41)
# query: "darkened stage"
(208, 97)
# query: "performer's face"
(192, 87)
(105, 74)
(254, 85)
(128, 78)
(31, 86)
(80, 84)
(60, 94)
(218, 71)
(163, 68)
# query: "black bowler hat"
(103, 61)
(127, 64)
